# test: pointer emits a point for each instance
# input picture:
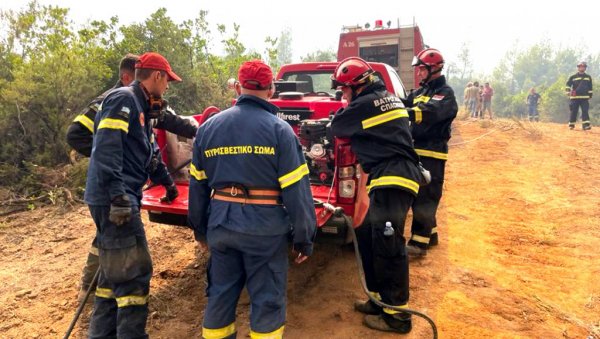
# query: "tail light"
(346, 162)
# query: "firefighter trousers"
(258, 262)
(574, 107)
(424, 224)
(384, 257)
(91, 266)
(121, 302)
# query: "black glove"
(120, 210)
(170, 194)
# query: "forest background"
(50, 69)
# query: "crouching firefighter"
(123, 148)
(377, 124)
(261, 197)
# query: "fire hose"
(337, 211)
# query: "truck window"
(387, 54)
(397, 83)
(311, 81)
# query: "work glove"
(170, 194)
(120, 210)
(425, 175)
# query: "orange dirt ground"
(518, 256)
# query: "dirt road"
(518, 256)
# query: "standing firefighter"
(254, 163)
(432, 108)
(80, 136)
(119, 167)
(579, 89)
(377, 124)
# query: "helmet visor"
(416, 61)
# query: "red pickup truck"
(307, 102)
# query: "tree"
(320, 55)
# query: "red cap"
(152, 60)
(255, 75)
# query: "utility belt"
(244, 195)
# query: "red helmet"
(428, 57)
(351, 72)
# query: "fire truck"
(393, 46)
(307, 102)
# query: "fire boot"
(415, 251)
(399, 323)
(367, 307)
(434, 239)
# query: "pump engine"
(317, 144)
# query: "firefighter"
(253, 163)
(378, 127)
(579, 89)
(432, 108)
(80, 136)
(118, 169)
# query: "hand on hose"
(120, 210)
(170, 194)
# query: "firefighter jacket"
(378, 127)
(579, 86)
(81, 131)
(247, 146)
(123, 148)
(432, 108)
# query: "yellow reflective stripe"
(385, 117)
(85, 121)
(581, 97)
(392, 311)
(94, 250)
(218, 333)
(394, 181)
(419, 239)
(431, 154)
(418, 114)
(106, 293)
(277, 334)
(198, 175)
(132, 300)
(294, 176)
(114, 124)
(422, 98)
(434, 230)
(375, 295)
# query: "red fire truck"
(393, 46)
(307, 102)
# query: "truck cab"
(307, 102)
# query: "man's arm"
(172, 122)
(80, 134)
(295, 190)
(199, 195)
(440, 106)
(111, 133)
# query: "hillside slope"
(518, 258)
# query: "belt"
(256, 196)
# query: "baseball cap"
(152, 60)
(255, 74)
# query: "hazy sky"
(490, 28)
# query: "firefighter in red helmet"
(377, 124)
(431, 108)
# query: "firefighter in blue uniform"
(579, 88)
(432, 108)
(254, 164)
(119, 164)
(377, 124)
(80, 136)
